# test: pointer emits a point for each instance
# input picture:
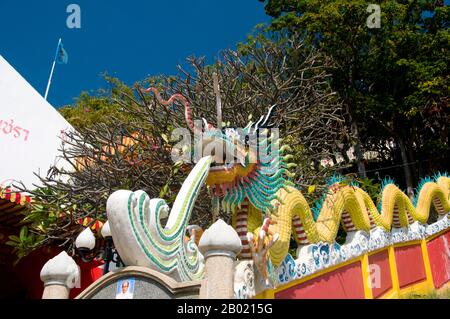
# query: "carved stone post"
(220, 245)
(59, 274)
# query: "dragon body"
(347, 205)
(256, 189)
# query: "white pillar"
(220, 245)
(59, 274)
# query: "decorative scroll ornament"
(141, 240)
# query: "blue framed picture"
(125, 288)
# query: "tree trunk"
(354, 126)
(358, 153)
(406, 169)
(414, 168)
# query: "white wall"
(26, 109)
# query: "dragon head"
(247, 163)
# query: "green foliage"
(341, 235)
(43, 215)
(443, 294)
(370, 187)
(42, 218)
(393, 79)
(99, 108)
(24, 243)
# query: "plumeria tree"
(123, 137)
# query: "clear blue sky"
(128, 39)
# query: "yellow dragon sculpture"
(349, 205)
(253, 189)
(256, 190)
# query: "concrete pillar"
(220, 245)
(59, 274)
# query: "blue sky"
(128, 39)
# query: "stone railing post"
(220, 245)
(59, 274)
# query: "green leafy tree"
(99, 108)
(394, 79)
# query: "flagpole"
(51, 72)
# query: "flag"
(61, 55)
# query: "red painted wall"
(89, 273)
(27, 275)
(343, 283)
(383, 283)
(439, 255)
(410, 266)
(29, 270)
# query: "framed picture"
(125, 288)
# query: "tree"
(393, 80)
(273, 68)
(99, 108)
(123, 138)
(117, 145)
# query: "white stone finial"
(85, 239)
(61, 270)
(106, 230)
(220, 239)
